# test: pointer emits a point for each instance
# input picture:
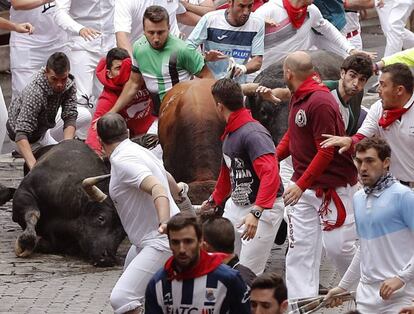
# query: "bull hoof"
(25, 244)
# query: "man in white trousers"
(141, 191)
(27, 53)
(319, 196)
(250, 176)
(384, 216)
(90, 25)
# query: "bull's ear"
(92, 190)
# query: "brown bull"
(189, 132)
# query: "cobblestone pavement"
(62, 284)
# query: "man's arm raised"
(129, 91)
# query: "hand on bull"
(267, 94)
(373, 55)
(214, 55)
(89, 33)
(250, 223)
(292, 195)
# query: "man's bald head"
(112, 128)
(300, 63)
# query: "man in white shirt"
(231, 33)
(384, 216)
(90, 25)
(285, 33)
(391, 118)
(28, 53)
(140, 190)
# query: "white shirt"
(399, 135)
(130, 165)
(73, 15)
(283, 38)
(45, 33)
(129, 15)
(187, 29)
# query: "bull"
(59, 212)
(189, 132)
(275, 117)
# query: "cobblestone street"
(62, 284)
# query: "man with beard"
(231, 33)
(194, 281)
(249, 174)
(348, 91)
(384, 216)
(268, 295)
(391, 118)
(32, 113)
(319, 196)
(160, 60)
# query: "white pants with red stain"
(255, 252)
(306, 239)
(369, 300)
(393, 18)
(141, 263)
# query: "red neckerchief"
(389, 116)
(236, 120)
(206, 264)
(296, 15)
(328, 195)
(312, 84)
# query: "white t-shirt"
(399, 135)
(130, 165)
(283, 38)
(129, 15)
(73, 15)
(187, 29)
(240, 42)
(46, 34)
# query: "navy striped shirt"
(220, 291)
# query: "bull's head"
(102, 231)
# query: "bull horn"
(93, 191)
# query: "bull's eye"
(101, 219)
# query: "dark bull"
(56, 212)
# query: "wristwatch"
(256, 213)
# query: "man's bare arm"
(69, 132)
(201, 9)
(129, 91)
(26, 151)
(359, 4)
(205, 73)
(123, 41)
